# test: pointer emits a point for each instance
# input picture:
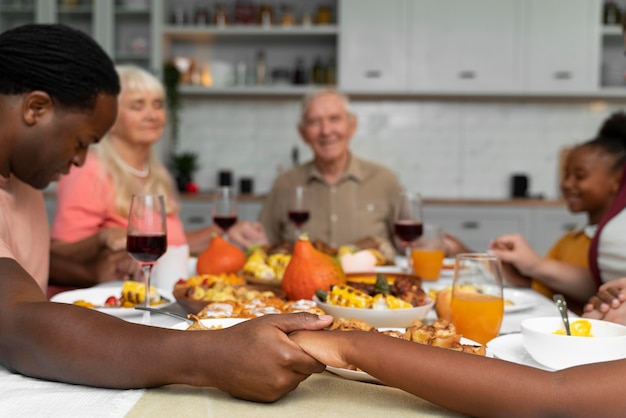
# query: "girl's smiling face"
(590, 182)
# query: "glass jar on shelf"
(612, 15)
(287, 17)
(201, 16)
(221, 16)
(266, 15)
(324, 15)
(245, 13)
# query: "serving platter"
(98, 296)
(510, 347)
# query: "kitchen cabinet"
(372, 45)
(561, 48)
(477, 226)
(124, 28)
(456, 48)
(224, 57)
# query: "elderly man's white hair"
(309, 97)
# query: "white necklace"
(139, 173)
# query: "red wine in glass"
(225, 221)
(146, 248)
(408, 231)
(298, 217)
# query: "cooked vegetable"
(349, 297)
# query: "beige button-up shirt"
(363, 203)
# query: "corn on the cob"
(381, 301)
(349, 297)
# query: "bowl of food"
(386, 303)
(592, 341)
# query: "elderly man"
(349, 198)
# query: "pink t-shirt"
(85, 205)
(24, 230)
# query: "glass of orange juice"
(427, 253)
(477, 306)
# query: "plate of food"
(115, 300)
(380, 300)
(440, 334)
(447, 268)
(516, 300)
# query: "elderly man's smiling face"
(327, 127)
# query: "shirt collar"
(588, 230)
(353, 172)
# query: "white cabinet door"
(477, 225)
(561, 45)
(372, 51)
(464, 46)
(195, 214)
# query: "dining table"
(320, 395)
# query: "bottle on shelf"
(261, 69)
(245, 13)
(266, 15)
(300, 74)
(330, 72)
(612, 15)
(220, 16)
(318, 72)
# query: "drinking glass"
(146, 238)
(477, 306)
(428, 253)
(224, 208)
(298, 209)
(408, 223)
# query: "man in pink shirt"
(58, 95)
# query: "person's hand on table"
(256, 359)
(246, 234)
(609, 298)
(113, 238)
(514, 249)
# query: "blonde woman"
(93, 202)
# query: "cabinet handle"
(562, 75)
(467, 75)
(470, 225)
(373, 74)
(196, 219)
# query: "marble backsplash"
(441, 148)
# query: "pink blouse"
(85, 205)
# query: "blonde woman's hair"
(125, 184)
(309, 97)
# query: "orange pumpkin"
(309, 270)
(220, 257)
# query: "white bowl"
(562, 351)
(378, 318)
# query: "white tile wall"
(442, 148)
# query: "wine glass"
(146, 238)
(298, 209)
(408, 223)
(477, 306)
(224, 208)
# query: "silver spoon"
(561, 304)
(159, 311)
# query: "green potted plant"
(184, 165)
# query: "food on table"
(260, 265)
(440, 333)
(220, 257)
(196, 325)
(578, 328)
(208, 279)
(256, 306)
(309, 270)
(133, 294)
(404, 293)
(218, 288)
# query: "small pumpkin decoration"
(220, 257)
(310, 270)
